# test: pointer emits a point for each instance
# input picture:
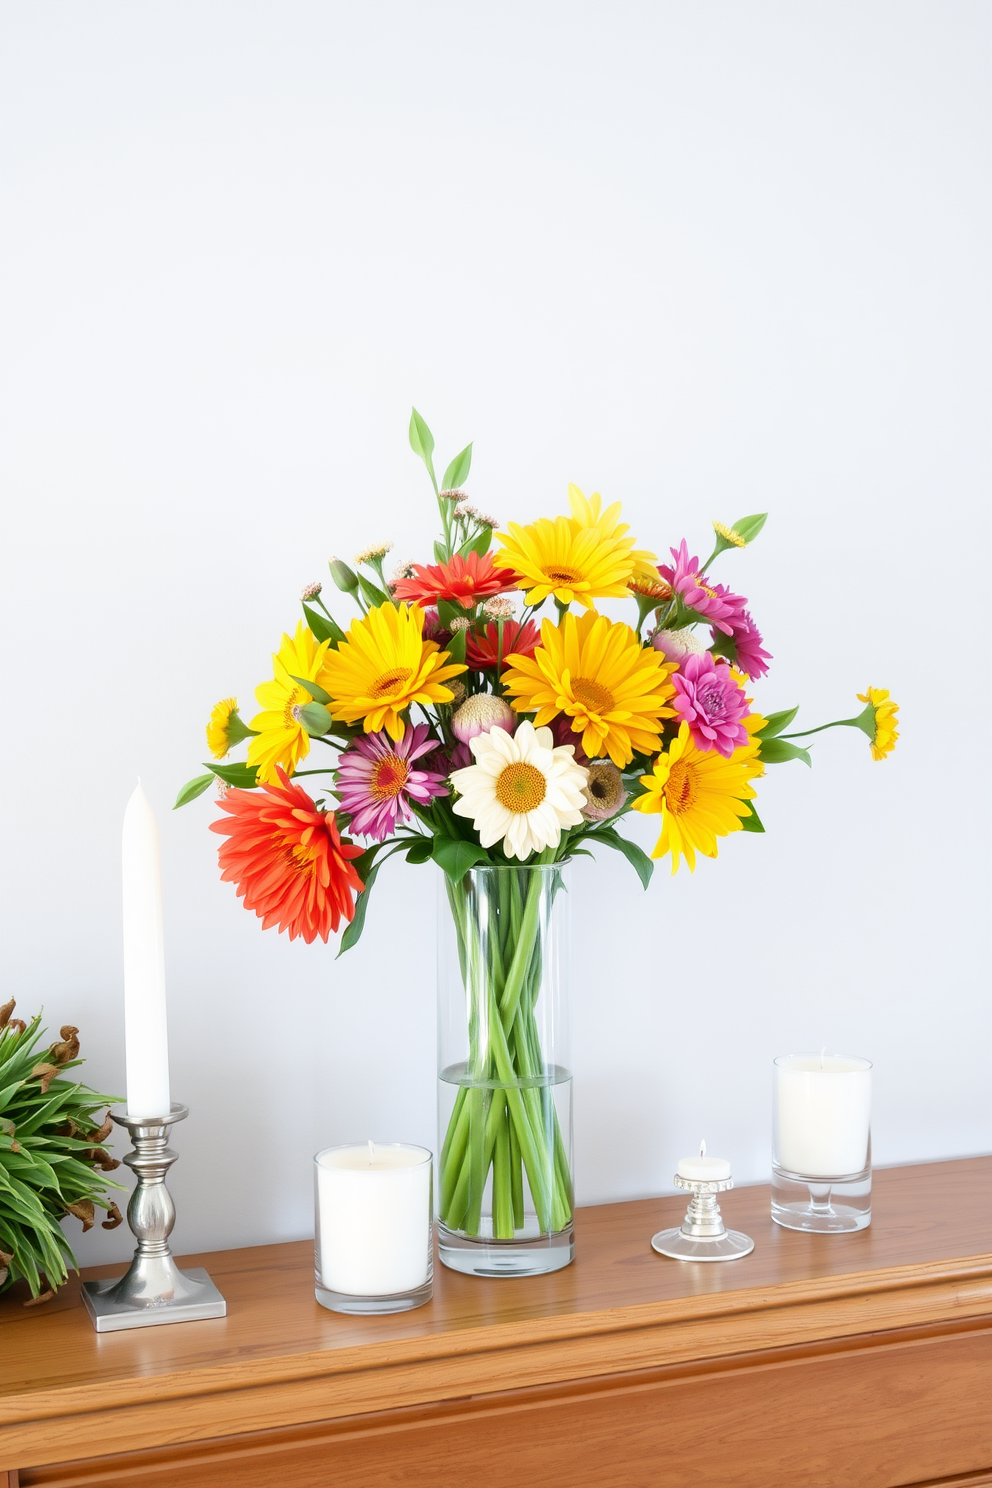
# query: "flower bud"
(677, 645)
(479, 714)
(345, 578)
(314, 717)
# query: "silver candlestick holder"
(703, 1235)
(153, 1289)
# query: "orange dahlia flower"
(287, 860)
(464, 581)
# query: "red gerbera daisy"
(463, 580)
(484, 650)
(287, 860)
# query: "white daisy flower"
(521, 790)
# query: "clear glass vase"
(505, 1197)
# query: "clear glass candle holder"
(373, 1233)
(821, 1165)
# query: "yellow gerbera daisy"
(383, 665)
(700, 797)
(281, 738)
(886, 718)
(587, 512)
(597, 673)
(571, 562)
(219, 731)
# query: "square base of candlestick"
(111, 1316)
(371, 1305)
(827, 1206)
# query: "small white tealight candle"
(704, 1169)
(374, 1219)
(822, 1114)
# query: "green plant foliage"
(53, 1160)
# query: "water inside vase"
(504, 1172)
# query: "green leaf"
(776, 722)
(420, 850)
(457, 471)
(422, 443)
(421, 438)
(367, 869)
(192, 789)
(323, 627)
(239, 775)
(636, 856)
(448, 611)
(440, 553)
(456, 857)
(751, 823)
(316, 719)
(777, 751)
(371, 593)
(39, 1172)
(749, 527)
(317, 693)
(456, 646)
(477, 544)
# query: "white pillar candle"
(374, 1219)
(822, 1114)
(146, 1043)
(704, 1169)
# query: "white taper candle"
(146, 1043)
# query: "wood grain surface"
(871, 1417)
(278, 1361)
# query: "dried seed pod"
(83, 1209)
(46, 1074)
(68, 1048)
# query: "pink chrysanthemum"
(750, 655)
(375, 780)
(714, 601)
(708, 699)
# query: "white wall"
(710, 258)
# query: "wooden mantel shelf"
(852, 1359)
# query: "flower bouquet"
(480, 711)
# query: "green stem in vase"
(504, 1121)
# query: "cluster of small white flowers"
(310, 591)
(403, 570)
(460, 622)
(500, 607)
(374, 553)
(465, 512)
(453, 494)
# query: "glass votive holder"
(374, 1222)
(821, 1164)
